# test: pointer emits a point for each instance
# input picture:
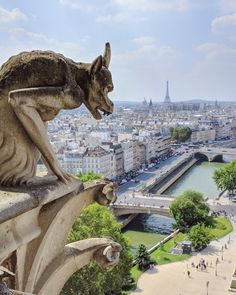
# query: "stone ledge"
(18, 200)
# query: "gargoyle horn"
(107, 55)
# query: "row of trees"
(180, 134)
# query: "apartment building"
(98, 160)
(204, 135)
(127, 146)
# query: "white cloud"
(167, 51)
(140, 5)
(144, 40)
(217, 52)
(214, 72)
(227, 6)
(148, 51)
(8, 16)
(121, 17)
(153, 5)
(85, 5)
(22, 40)
(225, 24)
(116, 18)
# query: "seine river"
(198, 178)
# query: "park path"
(172, 279)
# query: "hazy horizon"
(190, 43)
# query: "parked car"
(123, 181)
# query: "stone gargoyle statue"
(34, 87)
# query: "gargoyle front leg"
(34, 106)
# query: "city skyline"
(190, 44)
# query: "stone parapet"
(34, 225)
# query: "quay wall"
(159, 185)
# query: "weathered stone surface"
(34, 87)
(34, 227)
(17, 200)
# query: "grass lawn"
(136, 273)
(233, 284)
(163, 256)
(148, 239)
(222, 227)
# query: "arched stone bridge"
(143, 204)
(216, 154)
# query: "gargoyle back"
(36, 69)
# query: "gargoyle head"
(100, 83)
(108, 195)
(109, 255)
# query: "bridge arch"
(201, 156)
(217, 158)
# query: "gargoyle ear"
(107, 55)
(96, 66)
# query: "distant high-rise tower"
(144, 102)
(167, 97)
(150, 103)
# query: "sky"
(191, 43)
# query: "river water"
(198, 178)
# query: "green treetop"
(88, 176)
(180, 134)
(189, 209)
(199, 236)
(96, 221)
(225, 178)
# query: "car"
(136, 180)
(123, 181)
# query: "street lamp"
(217, 261)
(222, 250)
(207, 285)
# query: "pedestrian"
(188, 272)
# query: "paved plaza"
(172, 279)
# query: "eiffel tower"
(167, 100)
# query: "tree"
(143, 258)
(189, 209)
(199, 236)
(180, 134)
(88, 176)
(225, 178)
(96, 221)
